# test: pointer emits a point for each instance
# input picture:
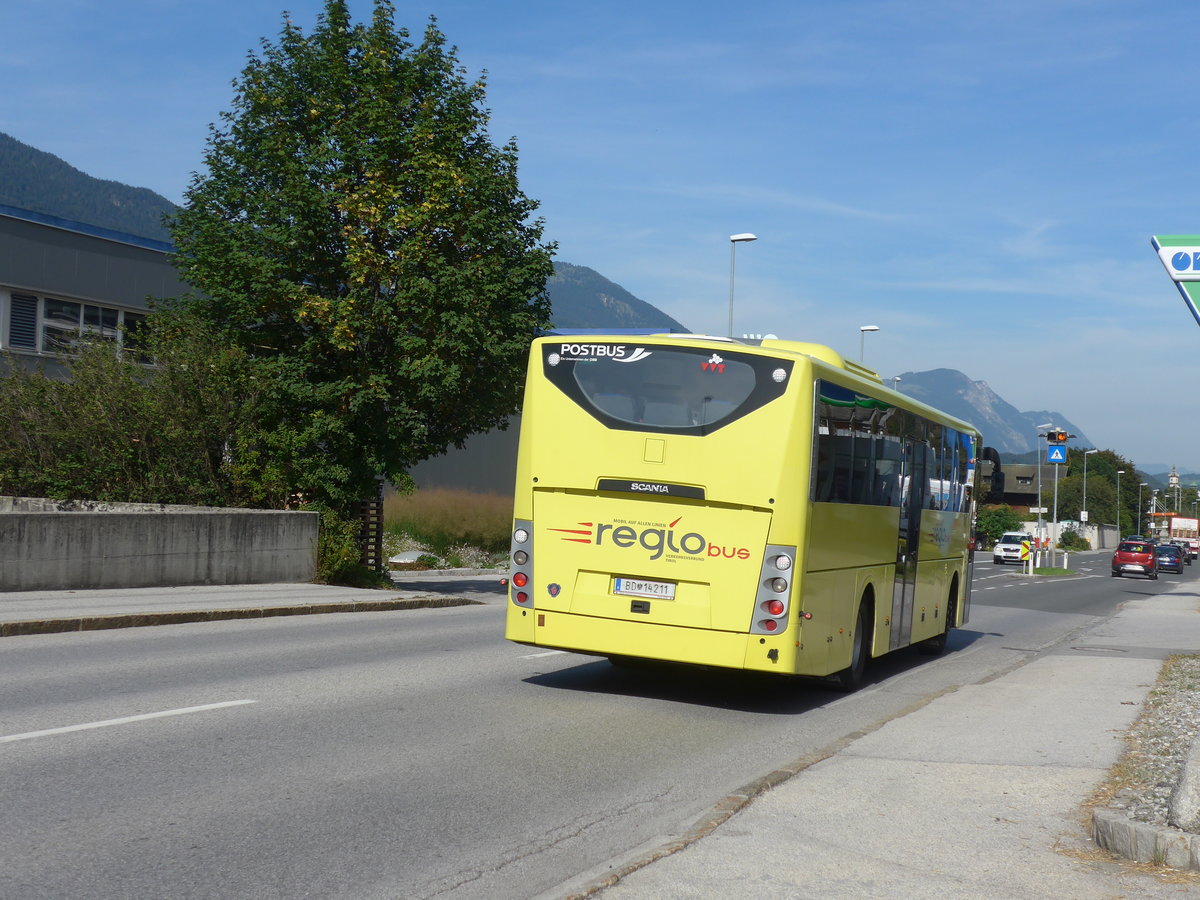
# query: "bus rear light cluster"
(522, 563)
(774, 591)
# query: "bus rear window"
(668, 389)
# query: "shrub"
(1073, 540)
(339, 555)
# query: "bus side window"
(823, 483)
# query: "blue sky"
(981, 181)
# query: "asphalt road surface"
(415, 753)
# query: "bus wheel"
(935, 645)
(851, 677)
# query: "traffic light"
(1056, 437)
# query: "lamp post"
(1083, 514)
(862, 337)
(1140, 486)
(1039, 465)
(734, 240)
(1120, 472)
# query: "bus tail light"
(774, 598)
(521, 557)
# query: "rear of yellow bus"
(661, 490)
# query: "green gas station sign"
(1180, 256)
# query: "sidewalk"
(47, 612)
(979, 794)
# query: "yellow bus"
(756, 505)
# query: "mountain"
(583, 298)
(37, 181)
(1003, 426)
(40, 182)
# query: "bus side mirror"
(995, 489)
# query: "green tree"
(361, 238)
(993, 521)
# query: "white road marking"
(124, 720)
(547, 653)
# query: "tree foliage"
(110, 428)
(993, 521)
(361, 239)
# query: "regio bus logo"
(656, 540)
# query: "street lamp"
(1120, 472)
(862, 336)
(1039, 465)
(734, 240)
(1140, 486)
(1083, 514)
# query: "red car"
(1135, 557)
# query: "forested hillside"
(41, 182)
(34, 180)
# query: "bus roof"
(824, 356)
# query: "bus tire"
(850, 678)
(936, 645)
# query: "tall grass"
(445, 518)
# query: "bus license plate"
(640, 587)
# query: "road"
(415, 753)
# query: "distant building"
(64, 281)
(1020, 484)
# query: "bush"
(1073, 540)
(444, 520)
(339, 555)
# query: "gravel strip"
(1158, 744)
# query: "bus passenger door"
(915, 484)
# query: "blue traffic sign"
(1056, 454)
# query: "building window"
(22, 322)
(54, 326)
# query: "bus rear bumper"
(647, 640)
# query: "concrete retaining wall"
(49, 545)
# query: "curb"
(1159, 845)
(137, 620)
(418, 574)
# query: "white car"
(1008, 548)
